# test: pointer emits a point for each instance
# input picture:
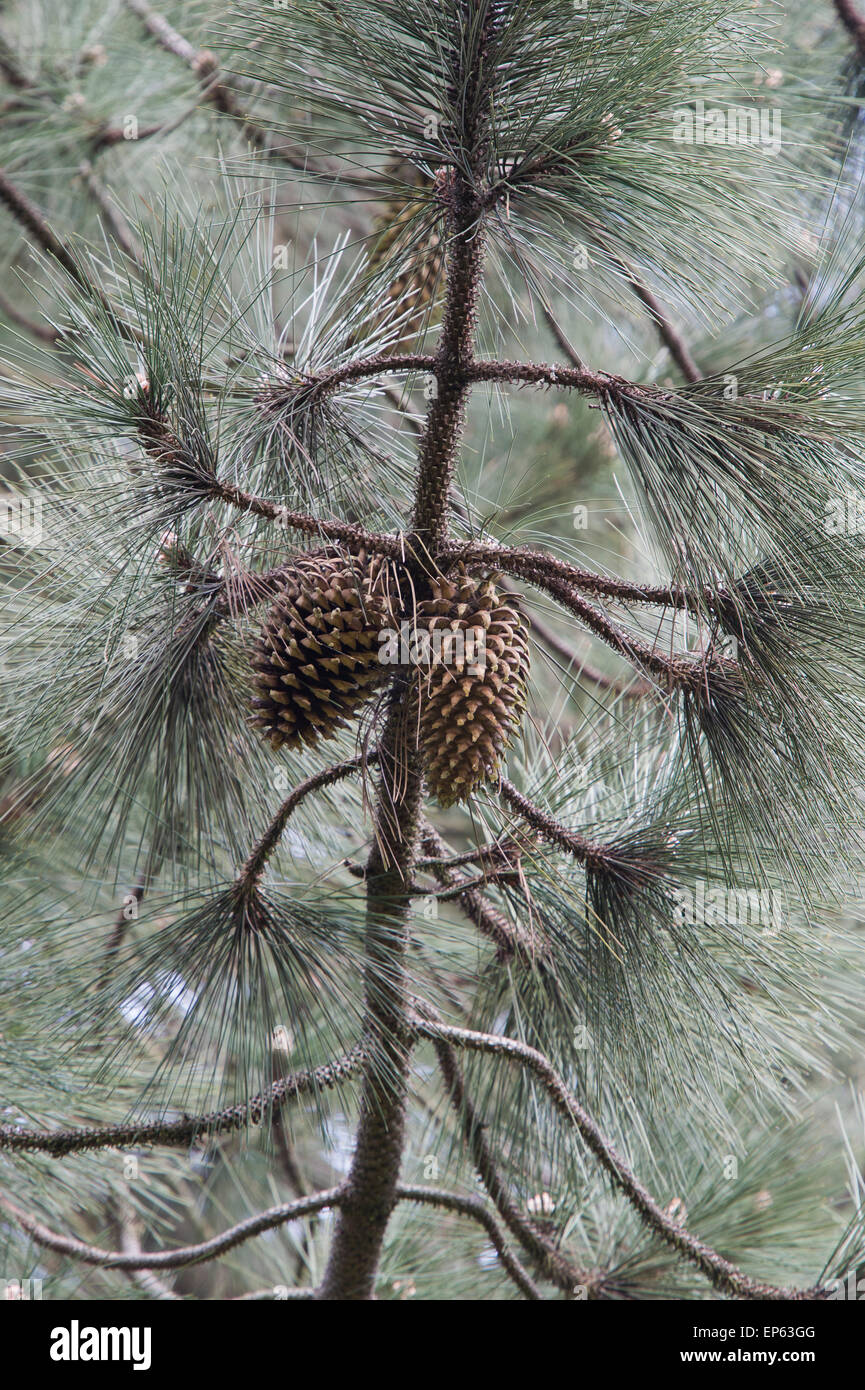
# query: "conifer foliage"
(371, 831)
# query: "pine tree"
(379, 833)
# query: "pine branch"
(180, 1133)
(474, 1207)
(722, 1275)
(670, 337)
(355, 537)
(562, 339)
(584, 379)
(173, 1259)
(510, 940)
(198, 476)
(628, 687)
(130, 1244)
(524, 562)
(121, 925)
(109, 135)
(601, 860)
(33, 221)
(114, 220)
(204, 65)
(313, 388)
(503, 853)
(679, 672)
(167, 37)
(217, 92)
(463, 369)
(255, 865)
(588, 852)
(490, 878)
(551, 1262)
(132, 1258)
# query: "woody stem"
(371, 1189)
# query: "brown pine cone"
(317, 658)
(469, 692)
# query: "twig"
(510, 940)
(115, 221)
(171, 455)
(121, 926)
(596, 856)
(469, 370)
(493, 924)
(561, 338)
(546, 825)
(670, 337)
(33, 221)
(471, 885)
(173, 1259)
(255, 864)
(629, 688)
(315, 388)
(476, 1209)
(534, 565)
(561, 377)
(672, 671)
(351, 535)
(130, 1244)
(503, 853)
(108, 135)
(204, 65)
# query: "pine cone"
(317, 659)
(470, 687)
